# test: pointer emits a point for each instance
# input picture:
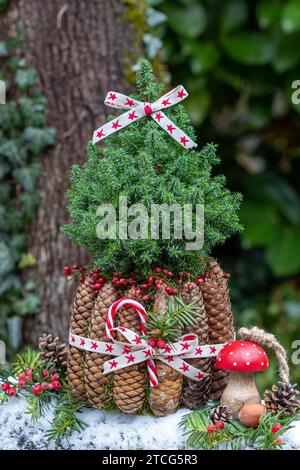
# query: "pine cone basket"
(82, 309)
(220, 413)
(129, 389)
(53, 348)
(282, 399)
(220, 320)
(98, 386)
(197, 393)
(165, 398)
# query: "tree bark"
(78, 49)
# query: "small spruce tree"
(143, 163)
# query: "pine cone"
(130, 383)
(165, 398)
(220, 320)
(99, 386)
(82, 310)
(196, 394)
(220, 413)
(282, 399)
(53, 349)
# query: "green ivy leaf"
(29, 305)
(3, 49)
(27, 176)
(13, 152)
(38, 139)
(268, 12)
(189, 21)
(290, 17)
(205, 58)
(249, 49)
(233, 14)
(27, 261)
(25, 78)
(6, 259)
(283, 254)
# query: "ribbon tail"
(173, 131)
(184, 368)
(117, 124)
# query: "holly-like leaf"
(27, 176)
(38, 139)
(6, 259)
(25, 78)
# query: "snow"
(107, 430)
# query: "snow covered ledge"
(106, 431)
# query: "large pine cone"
(82, 310)
(197, 393)
(282, 399)
(165, 398)
(220, 320)
(53, 348)
(130, 383)
(99, 386)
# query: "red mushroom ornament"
(242, 358)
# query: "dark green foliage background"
(238, 59)
(144, 164)
(23, 136)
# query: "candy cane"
(112, 312)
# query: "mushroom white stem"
(241, 389)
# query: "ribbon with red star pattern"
(137, 349)
(138, 110)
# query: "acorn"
(250, 413)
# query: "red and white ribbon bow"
(138, 110)
(138, 350)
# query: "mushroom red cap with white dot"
(242, 356)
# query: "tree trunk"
(78, 48)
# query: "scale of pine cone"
(282, 399)
(165, 398)
(81, 313)
(194, 393)
(53, 348)
(99, 386)
(220, 319)
(220, 413)
(129, 389)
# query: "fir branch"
(65, 420)
(177, 317)
(29, 359)
(234, 435)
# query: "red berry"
(157, 269)
(102, 279)
(168, 273)
(76, 267)
(50, 387)
(67, 270)
(45, 373)
(81, 279)
(155, 331)
(11, 392)
(138, 291)
(56, 385)
(54, 376)
(150, 280)
(226, 276)
(278, 440)
(216, 273)
(98, 286)
(152, 342)
(22, 376)
(219, 424)
(158, 285)
(276, 428)
(190, 286)
(5, 387)
(199, 281)
(37, 389)
(174, 292)
(211, 428)
(28, 373)
(44, 386)
(161, 343)
(168, 290)
(145, 286)
(146, 297)
(22, 384)
(179, 281)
